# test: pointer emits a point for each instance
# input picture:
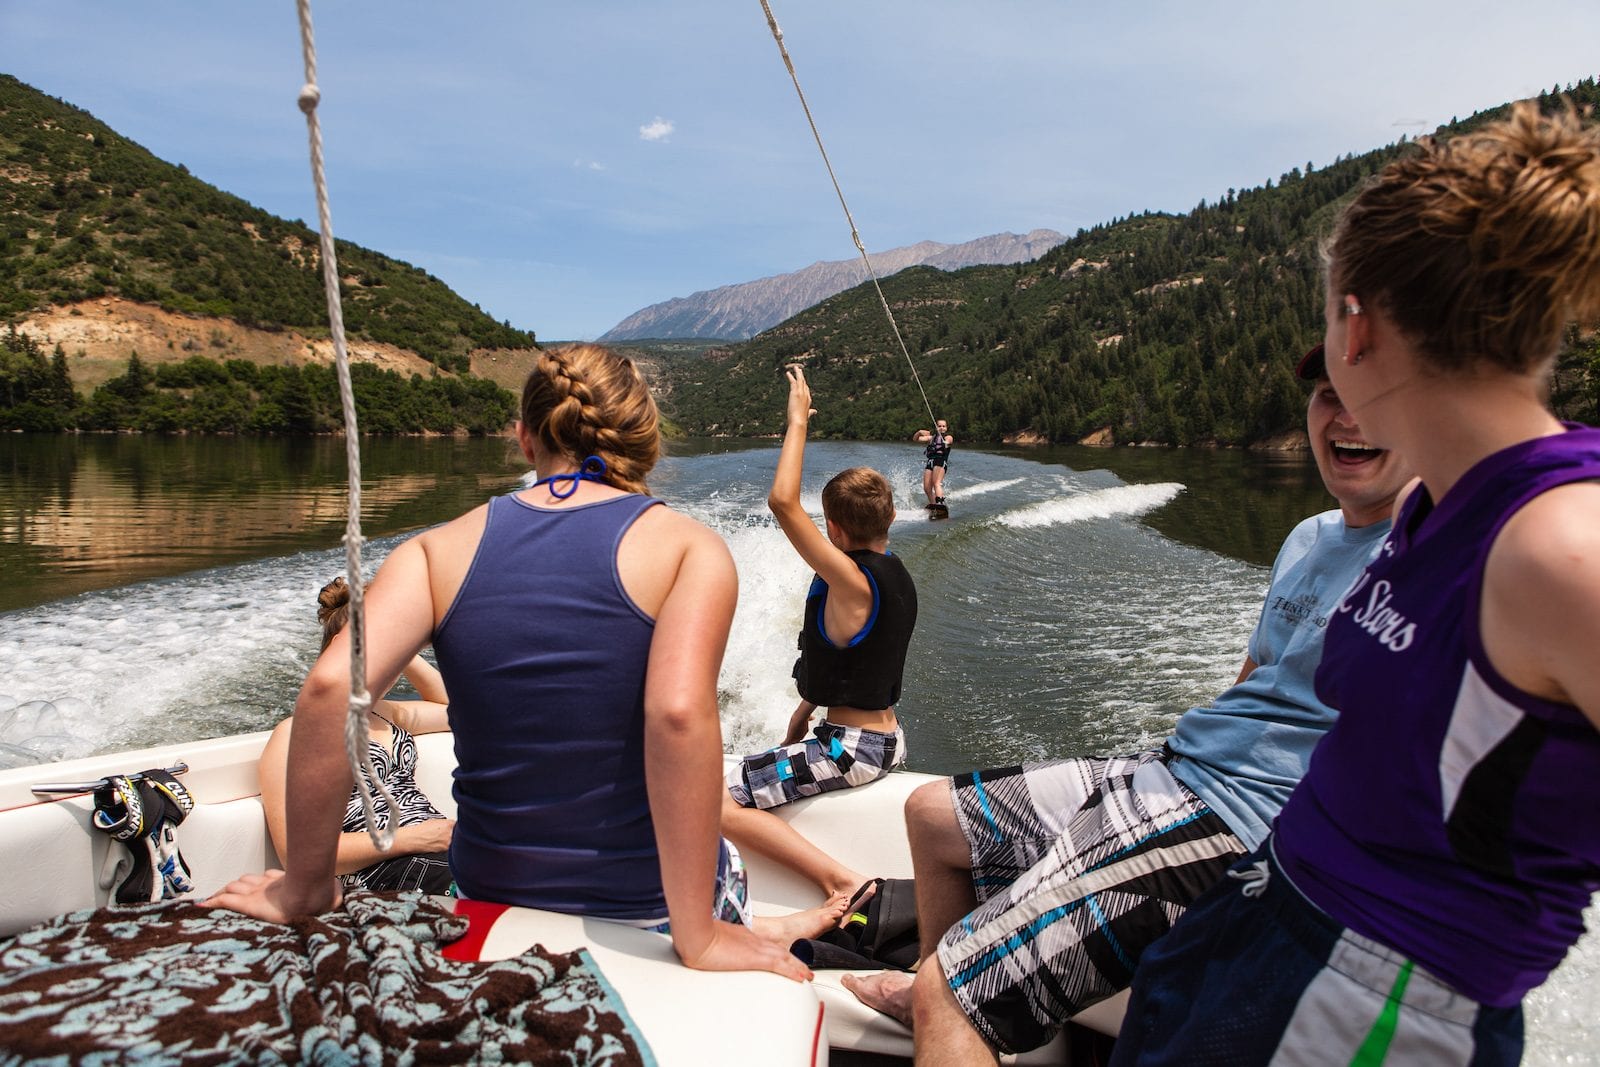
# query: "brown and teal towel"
(180, 983)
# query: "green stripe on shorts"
(1376, 1045)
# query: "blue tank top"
(1449, 814)
(544, 656)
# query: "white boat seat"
(53, 864)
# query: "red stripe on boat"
(816, 1038)
(481, 916)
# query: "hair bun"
(333, 596)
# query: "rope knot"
(310, 96)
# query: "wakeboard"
(938, 511)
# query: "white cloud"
(587, 164)
(657, 129)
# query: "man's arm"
(1246, 671)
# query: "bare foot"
(844, 880)
(859, 900)
(787, 929)
(886, 991)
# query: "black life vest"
(865, 673)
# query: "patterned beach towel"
(179, 983)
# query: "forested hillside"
(1175, 329)
(1170, 329)
(206, 395)
(86, 214)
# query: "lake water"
(1076, 601)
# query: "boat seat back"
(55, 863)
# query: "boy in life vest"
(860, 611)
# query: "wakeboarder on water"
(937, 453)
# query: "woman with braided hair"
(579, 627)
(1434, 864)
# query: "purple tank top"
(544, 656)
(1449, 814)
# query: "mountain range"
(1178, 329)
(737, 312)
(1156, 328)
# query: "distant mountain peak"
(736, 312)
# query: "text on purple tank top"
(1447, 813)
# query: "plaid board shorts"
(1257, 974)
(730, 900)
(833, 757)
(1078, 865)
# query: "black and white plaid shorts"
(1079, 865)
(833, 757)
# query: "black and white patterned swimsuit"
(398, 774)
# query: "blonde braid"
(586, 400)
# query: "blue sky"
(565, 164)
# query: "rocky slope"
(736, 312)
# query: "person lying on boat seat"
(420, 855)
(860, 612)
(1113, 849)
(579, 626)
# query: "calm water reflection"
(96, 511)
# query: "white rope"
(855, 235)
(356, 730)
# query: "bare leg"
(767, 835)
(945, 1037)
(927, 484)
(941, 860)
(787, 929)
(938, 483)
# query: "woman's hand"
(272, 897)
(432, 835)
(732, 947)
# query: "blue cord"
(592, 469)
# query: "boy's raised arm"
(830, 563)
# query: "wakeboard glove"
(143, 812)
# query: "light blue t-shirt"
(1245, 753)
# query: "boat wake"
(1118, 501)
(967, 491)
